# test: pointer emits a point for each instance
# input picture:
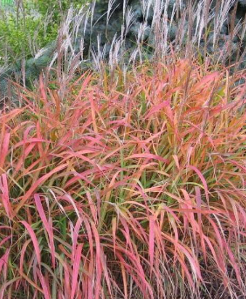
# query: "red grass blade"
(76, 264)
(4, 197)
(147, 156)
(4, 146)
(37, 184)
(34, 241)
(202, 179)
(151, 241)
(47, 225)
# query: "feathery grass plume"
(151, 32)
(128, 187)
(109, 11)
(221, 14)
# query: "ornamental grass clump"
(132, 186)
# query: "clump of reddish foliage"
(130, 187)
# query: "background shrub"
(29, 26)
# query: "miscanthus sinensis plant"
(126, 181)
(130, 189)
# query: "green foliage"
(46, 5)
(56, 8)
(17, 37)
(6, 2)
(23, 32)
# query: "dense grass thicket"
(126, 181)
(133, 186)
